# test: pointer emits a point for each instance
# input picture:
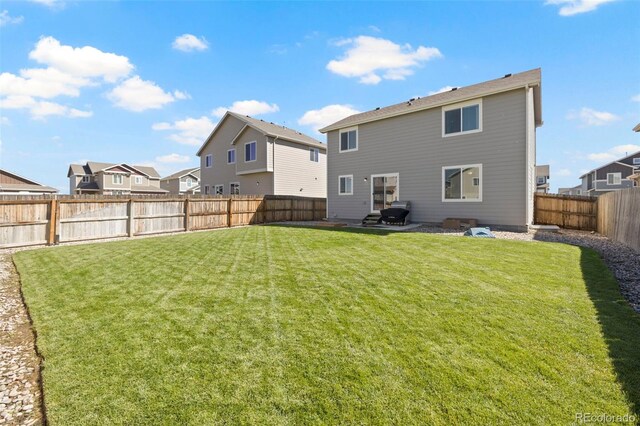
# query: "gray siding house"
(542, 178)
(466, 153)
(113, 179)
(185, 181)
(612, 176)
(244, 155)
(576, 190)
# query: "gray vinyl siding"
(412, 146)
(251, 135)
(171, 185)
(296, 174)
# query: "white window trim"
(462, 105)
(113, 179)
(86, 179)
(463, 200)
(138, 180)
(231, 191)
(615, 175)
(339, 179)
(349, 129)
(234, 156)
(206, 160)
(636, 161)
(215, 189)
(317, 151)
(396, 175)
(245, 151)
(206, 190)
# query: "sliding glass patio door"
(384, 190)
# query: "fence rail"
(566, 211)
(50, 220)
(619, 216)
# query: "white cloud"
(374, 29)
(42, 109)
(591, 117)
(189, 43)
(372, 59)
(319, 118)
(42, 82)
(636, 98)
(181, 95)
(250, 107)
(574, 7)
(173, 158)
(614, 153)
(5, 121)
(442, 90)
(135, 94)
(84, 61)
(563, 172)
(6, 19)
(49, 3)
(190, 131)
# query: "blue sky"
(144, 82)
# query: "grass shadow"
(619, 322)
(347, 229)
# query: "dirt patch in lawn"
(20, 383)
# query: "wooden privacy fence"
(619, 216)
(566, 211)
(48, 221)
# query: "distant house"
(13, 184)
(185, 181)
(637, 128)
(612, 176)
(244, 155)
(542, 179)
(113, 179)
(576, 190)
(465, 153)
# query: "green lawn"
(283, 325)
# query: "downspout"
(273, 163)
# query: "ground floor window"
(614, 178)
(462, 183)
(206, 189)
(219, 189)
(234, 188)
(345, 185)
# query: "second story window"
(138, 180)
(86, 179)
(250, 151)
(208, 161)
(117, 179)
(348, 140)
(189, 182)
(231, 156)
(462, 118)
(314, 155)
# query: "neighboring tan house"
(576, 190)
(612, 176)
(185, 181)
(244, 155)
(466, 153)
(13, 184)
(542, 179)
(113, 179)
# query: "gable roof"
(93, 167)
(194, 171)
(267, 129)
(613, 162)
(508, 82)
(25, 185)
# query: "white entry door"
(384, 190)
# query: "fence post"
(130, 217)
(313, 209)
(53, 206)
(186, 214)
(229, 214)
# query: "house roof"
(267, 129)
(194, 171)
(637, 128)
(93, 167)
(542, 170)
(17, 187)
(612, 162)
(144, 188)
(503, 84)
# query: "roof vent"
(412, 99)
(409, 103)
(377, 108)
(507, 75)
(454, 89)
